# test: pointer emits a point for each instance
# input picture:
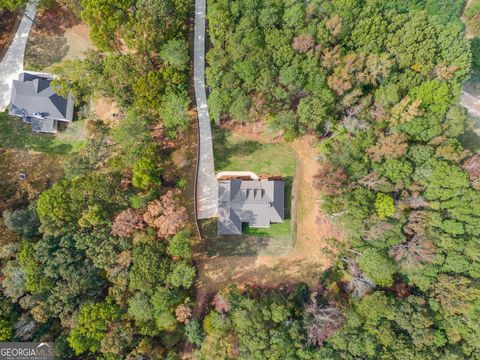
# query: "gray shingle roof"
(256, 202)
(33, 96)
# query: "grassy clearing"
(236, 152)
(14, 134)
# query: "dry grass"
(60, 35)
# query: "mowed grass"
(236, 152)
(14, 134)
(275, 230)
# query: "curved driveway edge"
(12, 63)
(207, 187)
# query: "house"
(256, 202)
(35, 102)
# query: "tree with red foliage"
(166, 215)
(127, 222)
(472, 167)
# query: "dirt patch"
(58, 35)
(40, 171)
(106, 110)
(78, 42)
(9, 22)
(311, 255)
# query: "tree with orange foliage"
(166, 215)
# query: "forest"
(379, 82)
(104, 265)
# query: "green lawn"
(235, 152)
(275, 230)
(17, 135)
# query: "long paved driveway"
(207, 187)
(12, 63)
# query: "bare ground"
(310, 256)
(106, 110)
(59, 35)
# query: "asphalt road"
(12, 63)
(207, 187)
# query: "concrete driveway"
(12, 63)
(207, 187)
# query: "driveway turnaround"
(12, 63)
(207, 187)
(471, 103)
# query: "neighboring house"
(256, 202)
(35, 102)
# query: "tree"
(150, 266)
(12, 5)
(6, 333)
(179, 245)
(149, 90)
(127, 222)
(24, 222)
(89, 330)
(472, 167)
(105, 19)
(455, 294)
(93, 216)
(13, 280)
(414, 253)
(313, 113)
(194, 333)
(472, 14)
(175, 53)
(164, 302)
(174, 112)
(391, 146)
(166, 215)
(146, 173)
(303, 43)
(372, 260)
(183, 313)
(384, 205)
(182, 275)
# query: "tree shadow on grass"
(17, 135)
(224, 150)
